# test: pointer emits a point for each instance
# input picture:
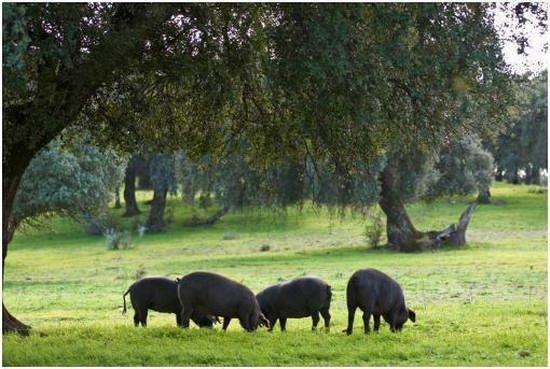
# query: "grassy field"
(484, 304)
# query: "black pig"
(375, 293)
(211, 293)
(159, 294)
(298, 298)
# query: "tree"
(130, 188)
(56, 56)
(337, 81)
(73, 183)
(163, 179)
(523, 147)
(460, 167)
(464, 167)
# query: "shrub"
(116, 239)
(374, 229)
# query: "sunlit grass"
(484, 304)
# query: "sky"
(535, 59)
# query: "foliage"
(162, 172)
(270, 81)
(374, 229)
(117, 239)
(524, 145)
(69, 182)
(462, 167)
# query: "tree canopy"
(333, 82)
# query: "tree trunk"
(528, 175)
(117, 198)
(143, 173)
(188, 193)
(155, 222)
(93, 226)
(532, 175)
(130, 189)
(513, 176)
(499, 175)
(484, 195)
(211, 219)
(536, 175)
(400, 231)
(10, 183)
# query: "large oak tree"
(338, 82)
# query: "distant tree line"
(521, 152)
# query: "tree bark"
(484, 196)
(532, 175)
(117, 198)
(155, 222)
(212, 218)
(10, 183)
(130, 189)
(401, 233)
(499, 175)
(93, 226)
(143, 173)
(188, 193)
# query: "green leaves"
(67, 182)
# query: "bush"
(116, 239)
(374, 229)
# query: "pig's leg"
(376, 322)
(136, 318)
(351, 317)
(283, 323)
(178, 319)
(226, 322)
(244, 319)
(272, 321)
(186, 312)
(326, 316)
(143, 317)
(315, 320)
(366, 320)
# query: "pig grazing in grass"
(159, 294)
(210, 293)
(376, 293)
(298, 298)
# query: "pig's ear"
(264, 321)
(412, 316)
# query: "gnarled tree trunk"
(188, 193)
(117, 198)
(130, 189)
(10, 183)
(401, 233)
(155, 222)
(484, 195)
(212, 218)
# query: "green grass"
(484, 304)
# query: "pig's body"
(298, 298)
(159, 294)
(376, 293)
(211, 293)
